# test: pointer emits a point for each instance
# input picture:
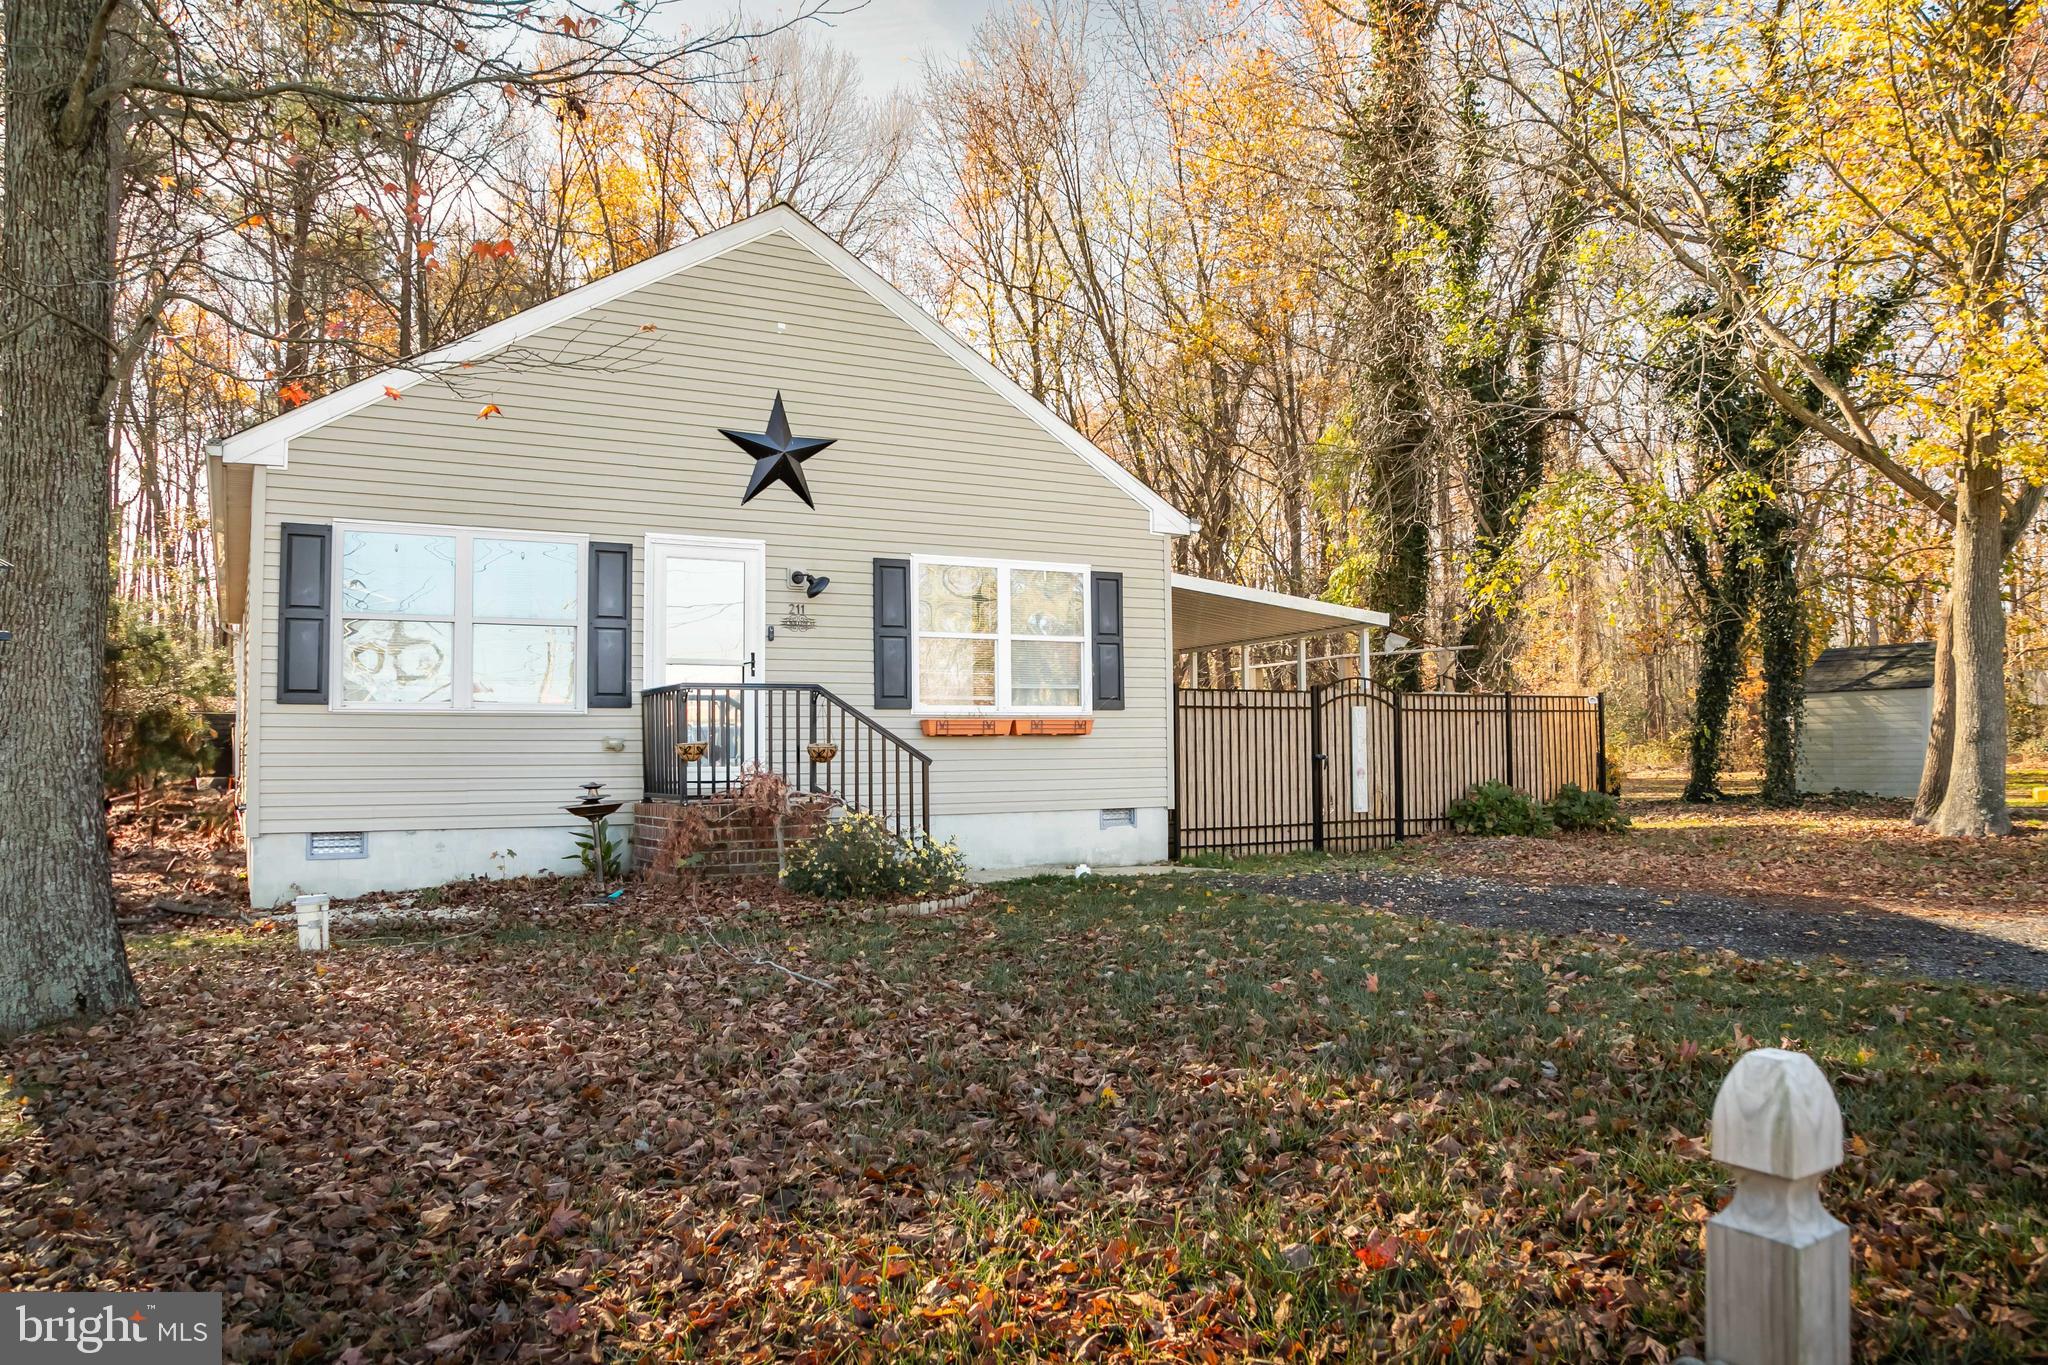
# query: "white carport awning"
(1208, 614)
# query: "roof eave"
(1359, 616)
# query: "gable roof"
(1872, 668)
(269, 442)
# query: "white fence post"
(1777, 1262)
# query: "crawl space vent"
(326, 846)
(1120, 817)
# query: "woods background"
(1392, 298)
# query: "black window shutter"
(892, 635)
(611, 625)
(1107, 636)
(305, 616)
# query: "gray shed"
(1866, 718)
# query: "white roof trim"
(1348, 616)
(268, 443)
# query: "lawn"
(1081, 1119)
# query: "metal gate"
(1352, 765)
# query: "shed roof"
(1872, 668)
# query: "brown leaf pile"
(176, 849)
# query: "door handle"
(752, 670)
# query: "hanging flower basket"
(822, 751)
(692, 750)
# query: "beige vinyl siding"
(928, 461)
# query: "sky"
(890, 38)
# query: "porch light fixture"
(811, 583)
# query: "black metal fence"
(699, 740)
(1351, 765)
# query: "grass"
(1144, 1119)
(2021, 784)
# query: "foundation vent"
(326, 847)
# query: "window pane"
(529, 579)
(956, 672)
(957, 598)
(704, 673)
(1045, 673)
(385, 571)
(523, 665)
(393, 663)
(1045, 602)
(705, 610)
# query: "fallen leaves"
(1859, 852)
(1381, 1251)
(591, 1133)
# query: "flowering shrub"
(859, 858)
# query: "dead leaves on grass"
(1863, 851)
(1110, 1123)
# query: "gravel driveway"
(2011, 953)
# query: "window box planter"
(1056, 725)
(963, 726)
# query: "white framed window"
(999, 635)
(450, 618)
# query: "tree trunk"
(60, 950)
(1720, 670)
(1392, 161)
(1781, 640)
(1941, 729)
(1399, 582)
(1975, 801)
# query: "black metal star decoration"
(778, 456)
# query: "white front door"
(706, 610)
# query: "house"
(742, 503)
(1864, 727)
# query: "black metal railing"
(699, 740)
